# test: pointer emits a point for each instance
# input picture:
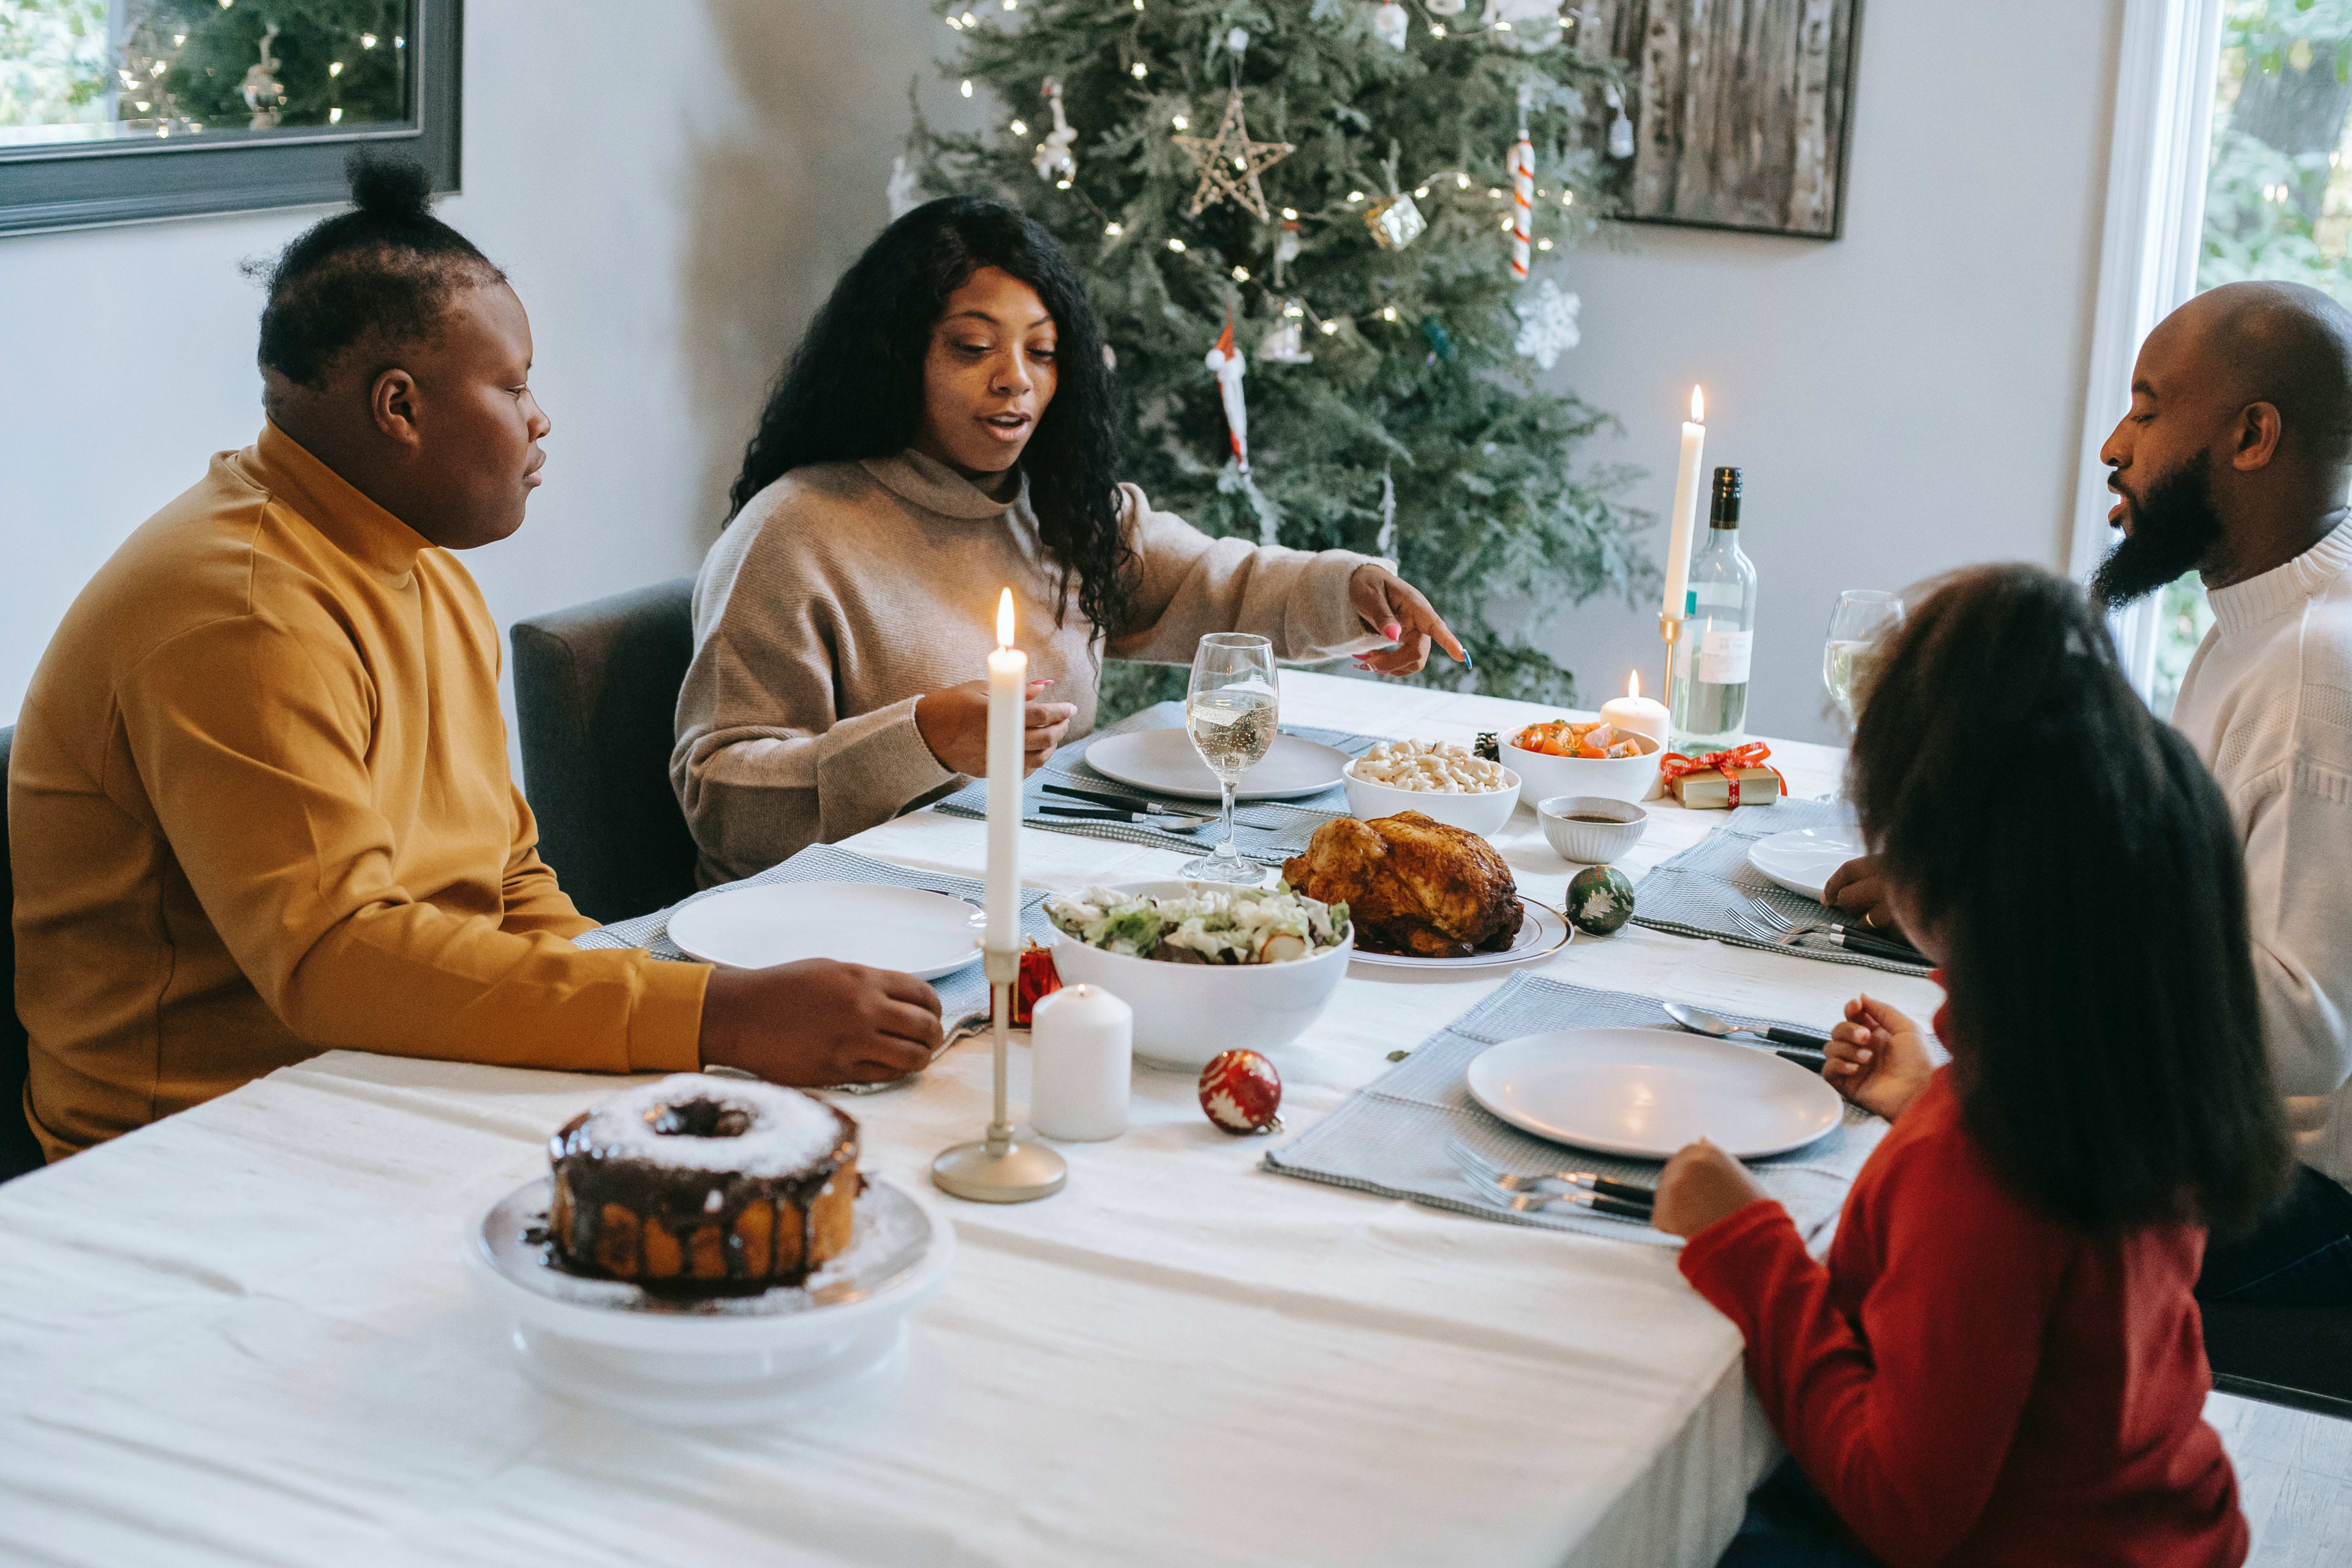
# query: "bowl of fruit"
(1566, 756)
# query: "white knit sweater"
(2267, 703)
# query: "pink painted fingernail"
(1392, 631)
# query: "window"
(117, 110)
(2229, 162)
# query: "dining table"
(245, 1334)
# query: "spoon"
(1699, 1020)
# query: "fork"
(1525, 1203)
(1474, 1163)
(1844, 936)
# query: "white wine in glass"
(1229, 710)
(1863, 618)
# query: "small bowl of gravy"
(1591, 829)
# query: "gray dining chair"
(2297, 1356)
(596, 699)
(19, 1150)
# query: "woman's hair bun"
(387, 187)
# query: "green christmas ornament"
(1600, 900)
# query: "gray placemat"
(1390, 1136)
(1694, 893)
(965, 990)
(1267, 831)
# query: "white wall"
(673, 199)
(672, 189)
(1905, 399)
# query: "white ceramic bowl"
(1482, 813)
(1618, 778)
(1592, 843)
(1186, 1013)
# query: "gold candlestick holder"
(999, 1168)
(1670, 631)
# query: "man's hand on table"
(1877, 1058)
(1701, 1185)
(819, 1022)
(953, 722)
(1857, 889)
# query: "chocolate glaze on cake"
(704, 1185)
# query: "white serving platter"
(790, 1353)
(923, 934)
(1543, 933)
(1803, 858)
(1164, 762)
(1645, 1093)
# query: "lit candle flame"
(1004, 619)
(1698, 406)
(1633, 684)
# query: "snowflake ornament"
(1547, 328)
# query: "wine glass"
(1229, 711)
(1863, 616)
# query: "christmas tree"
(1333, 179)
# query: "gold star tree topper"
(1229, 164)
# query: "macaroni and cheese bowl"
(1443, 783)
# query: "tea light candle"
(1643, 715)
(1081, 1063)
(1008, 670)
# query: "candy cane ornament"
(1523, 204)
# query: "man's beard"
(2174, 527)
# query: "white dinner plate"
(1164, 762)
(1645, 1093)
(925, 935)
(1544, 932)
(1802, 859)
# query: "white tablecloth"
(243, 1335)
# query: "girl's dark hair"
(2083, 872)
(854, 388)
(387, 267)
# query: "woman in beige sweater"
(945, 432)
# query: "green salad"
(1241, 925)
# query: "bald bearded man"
(2233, 462)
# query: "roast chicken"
(1414, 886)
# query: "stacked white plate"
(790, 1355)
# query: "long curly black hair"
(854, 388)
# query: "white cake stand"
(790, 1354)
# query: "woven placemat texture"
(1390, 1137)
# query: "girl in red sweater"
(2002, 1362)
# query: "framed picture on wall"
(1741, 112)
(130, 111)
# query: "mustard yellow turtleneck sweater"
(259, 808)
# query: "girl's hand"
(1877, 1058)
(953, 723)
(1701, 1185)
(1393, 607)
(1858, 887)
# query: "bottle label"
(1723, 658)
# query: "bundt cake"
(704, 1185)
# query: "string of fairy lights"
(1360, 204)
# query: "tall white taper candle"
(1682, 523)
(1008, 672)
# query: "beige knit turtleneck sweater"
(845, 590)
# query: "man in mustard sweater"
(259, 804)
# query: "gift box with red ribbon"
(1721, 780)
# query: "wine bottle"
(1710, 707)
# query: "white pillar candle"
(1081, 1055)
(1643, 715)
(1682, 523)
(1008, 672)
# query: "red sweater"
(1967, 1382)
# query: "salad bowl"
(1187, 1013)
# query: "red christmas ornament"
(1038, 980)
(1241, 1091)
